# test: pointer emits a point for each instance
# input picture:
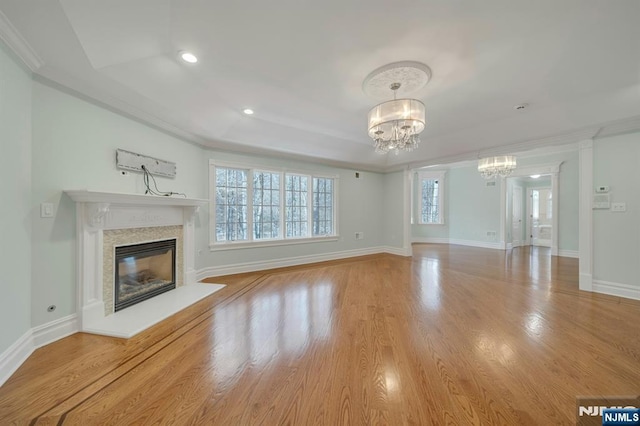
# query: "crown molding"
(18, 44)
(625, 125)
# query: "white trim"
(429, 240)
(232, 245)
(14, 40)
(616, 289)
(16, 354)
(585, 215)
(238, 268)
(552, 169)
(13, 357)
(55, 330)
(468, 243)
(407, 208)
(281, 239)
(569, 253)
(398, 251)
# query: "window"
(296, 206)
(254, 206)
(431, 197)
(231, 204)
(322, 201)
(266, 205)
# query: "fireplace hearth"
(143, 271)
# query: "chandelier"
(491, 167)
(396, 125)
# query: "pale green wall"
(392, 220)
(472, 208)
(15, 226)
(74, 143)
(616, 236)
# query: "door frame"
(530, 189)
(552, 169)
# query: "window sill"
(269, 243)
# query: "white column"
(406, 234)
(555, 211)
(585, 216)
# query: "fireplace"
(143, 271)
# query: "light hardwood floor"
(456, 335)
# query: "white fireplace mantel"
(97, 212)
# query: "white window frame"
(281, 239)
(440, 176)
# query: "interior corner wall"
(616, 235)
(392, 205)
(74, 143)
(15, 172)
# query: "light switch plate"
(46, 210)
(618, 207)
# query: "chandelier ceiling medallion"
(396, 125)
(499, 166)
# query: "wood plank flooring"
(456, 335)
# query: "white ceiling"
(300, 65)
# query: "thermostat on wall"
(600, 201)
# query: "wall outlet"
(618, 207)
(491, 234)
(359, 235)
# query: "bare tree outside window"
(322, 219)
(430, 193)
(231, 204)
(266, 205)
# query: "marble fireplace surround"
(136, 218)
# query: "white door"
(516, 216)
(541, 217)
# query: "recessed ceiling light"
(534, 176)
(188, 57)
(248, 111)
(520, 107)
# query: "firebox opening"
(143, 271)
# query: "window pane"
(322, 200)
(295, 204)
(231, 204)
(263, 219)
(430, 201)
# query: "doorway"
(517, 215)
(540, 215)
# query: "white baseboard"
(398, 251)
(469, 243)
(430, 240)
(617, 289)
(569, 253)
(239, 268)
(55, 330)
(12, 358)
